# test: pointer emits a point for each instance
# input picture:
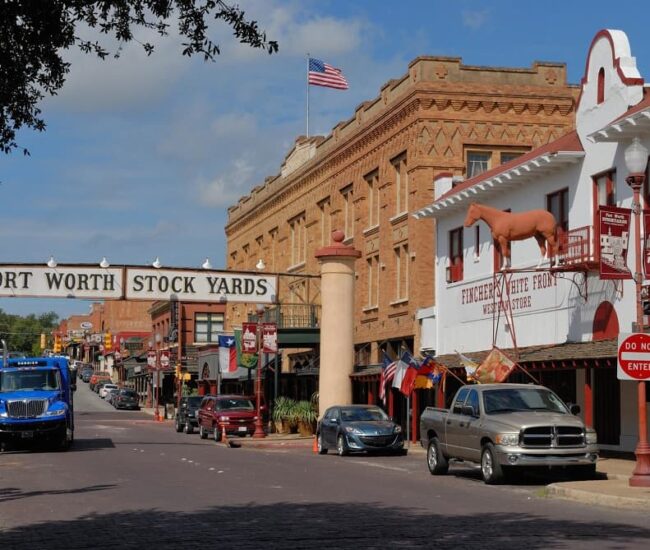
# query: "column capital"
(337, 248)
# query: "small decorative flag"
(387, 374)
(227, 354)
(322, 74)
(470, 366)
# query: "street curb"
(590, 497)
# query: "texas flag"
(227, 354)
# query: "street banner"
(269, 338)
(249, 338)
(244, 360)
(151, 359)
(614, 226)
(646, 244)
(164, 359)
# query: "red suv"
(236, 412)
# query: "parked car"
(125, 399)
(187, 414)
(110, 394)
(235, 412)
(98, 377)
(83, 369)
(358, 428)
(508, 427)
(104, 389)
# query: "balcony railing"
(291, 316)
(576, 248)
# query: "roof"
(570, 354)
(566, 149)
(633, 122)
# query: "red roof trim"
(568, 143)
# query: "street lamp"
(259, 426)
(156, 415)
(636, 159)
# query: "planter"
(305, 428)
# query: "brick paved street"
(133, 483)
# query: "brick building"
(367, 176)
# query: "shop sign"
(614, 239)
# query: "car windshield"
(356, 414)
(45, 379)
(227, 404)
(128, 393)
(522, 399)
(194, 401)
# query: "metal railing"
(291, 316)
(575, 246)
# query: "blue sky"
(142, 156)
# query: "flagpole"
(307, 94)
(408, 419)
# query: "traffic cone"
(314, 447)
(224, 435)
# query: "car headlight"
(352, 430)
(56, 412)
(591, 437)
(507, 439)
(224, 419)
(398, 429)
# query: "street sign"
(151, 359)
(86, 325)
(633, 356)
(164, 359)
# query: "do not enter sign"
(633, 356)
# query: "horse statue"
(507, 227)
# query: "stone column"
(337, 322)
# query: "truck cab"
(36, 401)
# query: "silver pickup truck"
(506, 427)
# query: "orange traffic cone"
(224, 435)
(314, 447)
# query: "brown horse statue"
(507, 227)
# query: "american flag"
(387, 374)
(322, 74)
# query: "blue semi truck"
(36, 401)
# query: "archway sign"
(90, 282)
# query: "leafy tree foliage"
(34, 33)
(23, 333)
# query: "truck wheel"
(188, 428)
(179, 426)
(202, 433)
(216, 434)
(322, 450)
(490, 469)
(341, 447)
(436, 461)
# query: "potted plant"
(306, 416)
(283, 414)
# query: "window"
(273, 237)
(472, 401)
(325, 221)
(373, 281)
(455, 269)
(460, 399)
(401, 272)
(348, 211)
(601, 86)
(207, 327)
(372, 182)
(558, 204)
(477, 163)
(605, 188)
(298, 229)
(507, 157)
(401, 184)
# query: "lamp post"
(259, 426)
(636, 159)
(156, 415)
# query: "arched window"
(601, 86)
(605, 324)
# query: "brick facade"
(378, 167)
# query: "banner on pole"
(614, 224)
(646, 244)
(249, 338)
(269, 338)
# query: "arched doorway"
(605, 325)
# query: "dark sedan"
(125, 399)
(358, 428)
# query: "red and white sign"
(614, 240)
(249, 338)
(151, 359)
(164, 359)
(269, 338)
(633, 356)
(646, 246)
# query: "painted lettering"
(138, 285)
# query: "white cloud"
(475, 19)
(226, 189)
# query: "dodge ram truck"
(507, 428)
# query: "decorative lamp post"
(259, 426)
(156, 415)
(636, 159)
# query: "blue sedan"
(358, 428)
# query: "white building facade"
(562, 321)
